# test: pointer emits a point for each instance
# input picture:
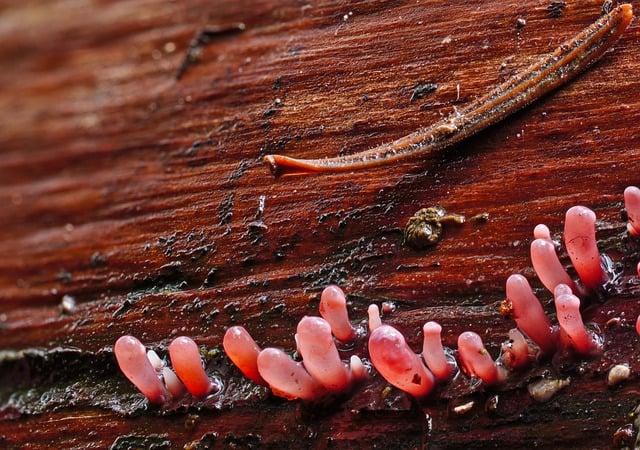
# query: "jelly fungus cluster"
(158, 382)
(322, 371)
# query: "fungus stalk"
(580, 241)
(433, 352)
(397, 363)
(134, 363)
(243, 351)
(632, 205)
(528, 313)
(286, 377)
(476, 360)
(333, 308)
(547, 265)
(186, 361)
(568, 312)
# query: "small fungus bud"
(155, 360)
(476, 360)
(433, 352)
(333, 308)
(374, 317)
(632, 205)
(541, 231)
(173, 383)
(515, 353)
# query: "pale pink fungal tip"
(632, 205)
(541, 231)
(243, 351)
(134, 363)
(287, 378)
(528, 313)
(397, 363)
(580, 241)
(320, 355)
(476, 360)
(548, 267)
(186, 361)
(155, 360)
(358, 369)
(568, 312)
(433, 352)
(173, 383)
(374, 317)
(333, 308)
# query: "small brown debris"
(556, 8)
(424, 229)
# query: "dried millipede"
(546, 74)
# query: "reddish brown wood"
(138, 194)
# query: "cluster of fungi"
(321, 371)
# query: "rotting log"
(136, 187)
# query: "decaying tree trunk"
(130, 180)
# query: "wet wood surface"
(140, 193)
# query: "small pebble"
(68, 304)
(542, 390)
(464, 408)
(618, 374)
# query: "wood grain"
(139, 195)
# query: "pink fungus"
(568, 312)
(243, 351)
(632, 205)
(155, 360)
(433, 353)
(580, 241)
(515, 353)
(287, 378)
(173, 383)
(638, 325)
(132, 359)
(528, 313)
(547, 265)
(374, 317)
(541, 231)
(358, 370)
(320, 355)
(475, 359)
(186, 361)
(333, 307)
(397, 363)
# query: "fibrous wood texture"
(140, 194)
